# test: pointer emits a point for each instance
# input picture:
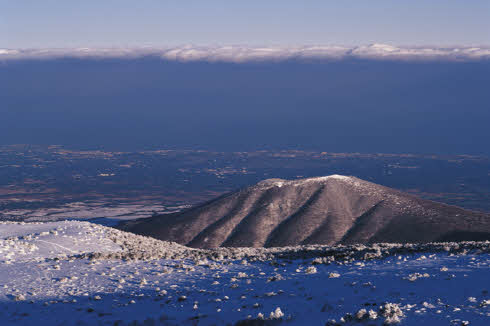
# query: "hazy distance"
(348, 105)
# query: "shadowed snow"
(95, 275)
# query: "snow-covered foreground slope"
(77, 273)
(38, 241)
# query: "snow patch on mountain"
(281, 182)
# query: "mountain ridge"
(325, 210)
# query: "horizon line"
(246, 53)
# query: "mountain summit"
(328, 210)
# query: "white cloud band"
(246, 54)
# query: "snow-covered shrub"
(276, 314)
(372, 314)
(361, 314)
(323, 260)
(278, 277)
(415, 276)
(392, 313)
(19, 297)
(311, 270)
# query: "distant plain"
(54, 182)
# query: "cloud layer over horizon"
(238, 54)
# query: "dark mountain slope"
(325, 210)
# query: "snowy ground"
(100, 211)
(49, 275)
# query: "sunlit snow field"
(48, 278)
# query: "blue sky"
(96, 23)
